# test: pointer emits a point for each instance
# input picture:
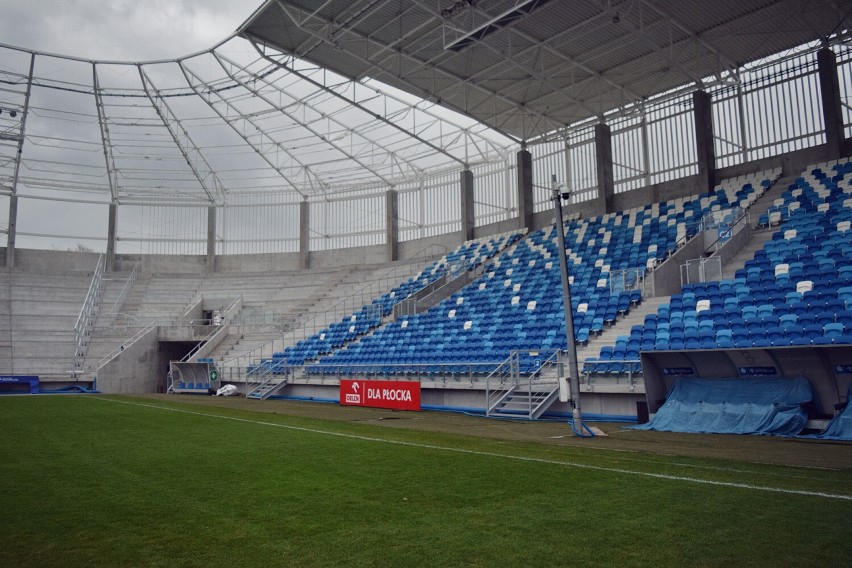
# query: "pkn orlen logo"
(354, 398)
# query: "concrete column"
(831, 107)
(111, 236)
(702, 110)
(304, 235)
(525, 190)
(392, 224)
(211, 238)
(13, 223)
(603, 163)
(468, 219)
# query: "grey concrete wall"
(164, 263)
(665, 280)
(741, 237)
(137, 369)
(53, 261)
(376, 254)
(270, 262)
(497, 228)
(617, 404)
(409, 249)
(468, 219)
(525, 190)
(392, 224)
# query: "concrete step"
(622, 326)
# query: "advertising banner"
(396, 395)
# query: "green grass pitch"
(111, 481)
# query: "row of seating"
(517, 303)
(796, 290)
(466, 256)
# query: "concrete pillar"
(392, 224)
(13, 223)
(211, 238)
(525, 190)
(111, 236)
(468, 218)
(304, 235)
(831, 108)
(603, 163)
(702, 110)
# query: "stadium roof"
(319, 100)
(528, 67)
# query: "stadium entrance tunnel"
(168, 351)
(783, 390)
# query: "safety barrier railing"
(317, 321)
(82, 328)
(469, 373)
(126, 289)
(204, 346)
(624, 369)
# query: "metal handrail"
(87, 310)
(125, 291)
(227, 316)
(332, 314)
(744, 217)
(116, 352)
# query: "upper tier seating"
(794, 291)
(517, 303)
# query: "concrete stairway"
(766, 200)
(108, 332)
(622, 326)
(38, 312)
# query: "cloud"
(121, 29)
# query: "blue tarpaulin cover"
(734, 406)
(840, 427)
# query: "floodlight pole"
(573, 371)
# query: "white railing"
(319, 320)
(82, 329)
(128, 286)
(203, 347)
(118, 350)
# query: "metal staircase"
(510, 395)
(266, 387)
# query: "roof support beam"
(206, 96)
(112, 171)
(282, 109)
(291, 69)
(382, 70)
(19, 150)
(195, 159)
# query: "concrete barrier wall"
(622, 404)
(136, 369)
(665, 280)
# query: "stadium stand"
(467, 256)
(792, 292)
(517, 304)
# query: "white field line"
(669, 477)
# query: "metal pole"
(573, 371)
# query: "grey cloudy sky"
(131, 30)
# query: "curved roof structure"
(529, 67)
(320, 99)
(230, 120)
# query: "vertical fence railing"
(125, 291)
(82, 328)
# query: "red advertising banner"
(396, 395)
